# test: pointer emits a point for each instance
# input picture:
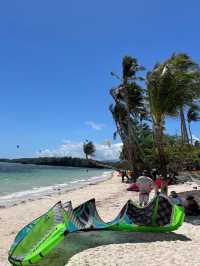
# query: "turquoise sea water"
(18, 180)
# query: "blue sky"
(56, 56)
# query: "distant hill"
(61, 161)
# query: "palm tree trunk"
(123, 135)
(184, 132)
(190, 133)
(126, 130)
(130, 149)
(161, 154)
(131, 145)
(135, 153)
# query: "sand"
(115, 248)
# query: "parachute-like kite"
(42, 235)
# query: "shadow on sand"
(195, 220)
(77, 242)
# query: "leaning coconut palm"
(119, 114)
(186, 74)
(128, 109)
(131, 149)
(162, 103)
(193, 115)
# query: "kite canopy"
(42, 235)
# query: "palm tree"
(193, 115)
(162, 103)
(88, 148)
(172, 86)
(132, 150)
(128, 97)
(186, 74)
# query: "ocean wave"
(77, 181)
(36, 192)
(96, 177)
(21, 194)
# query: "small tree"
(88, 148)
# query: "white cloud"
(75, 149)
(195, 138)
(104, 152)
(95, 125)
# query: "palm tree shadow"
(77, 242)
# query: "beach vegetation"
(140, 112)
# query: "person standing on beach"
(123, 175)
(145, 185)
(154, 174)
(129, 176)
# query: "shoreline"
(110, 197)
(22, 197)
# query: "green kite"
(42, 235)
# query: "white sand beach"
(179, 248)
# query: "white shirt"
(145, 184)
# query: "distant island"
(62, 161)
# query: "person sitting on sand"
(176, 199)
(145, 185)
(174, 177)
(191, 206)
(169, 179)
